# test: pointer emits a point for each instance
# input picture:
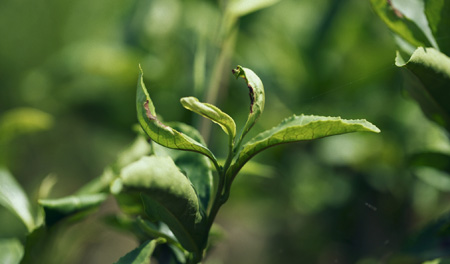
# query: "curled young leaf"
(298, 128)
(257, 96)
(160, 133)
(211, 112)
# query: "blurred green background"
(68, 71)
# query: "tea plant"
(171, 190)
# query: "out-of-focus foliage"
(350, 199)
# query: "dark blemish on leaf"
(251, 93)
(147, 111)
(396, 11)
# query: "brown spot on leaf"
(396, 11)
(147, 111)
(251, 93)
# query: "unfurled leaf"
(438, 15)
(257, 96)
(11, 251)
(399, 23)
(58, 209)
(14, 199)
(211, 112)
(159, 132)
(168, 196)
(140, 255)
(430, 83)
(298, 128)
(195, 166)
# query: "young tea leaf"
(14, 199)
(298, 128)
(211, 112)
(168, 196)
(58, 209)
(160, 133)
(257, 97)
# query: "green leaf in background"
(140, 255)
(257, 97)
(438, 15)
(14, 199)
(211, 112)
(195, 166)
(23, 120)
(437, 160)
(432, 241)
(160, 133)
(58, 209)
(298, 128)
(168, 196)
(11, 251)
(243, 7)
(399, 23)
(430, 83)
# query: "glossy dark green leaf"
(13, 198)
(168, 196)
(195, 166)
(438, 15)
(298, 128)
(257, 96)
(11, 251)
(399, 23)
(159, 132)
(59, 209)
(211, 112)
(429, 83)
(140, 255)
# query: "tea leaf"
(11, 251)
(160, 133)
(58, 209)
(429, 70)
(14, 199)
(168, 196)
(257, 97)
(399, 23)
(298, 128)
(211, 112)
(141, 254)
(195, 166)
